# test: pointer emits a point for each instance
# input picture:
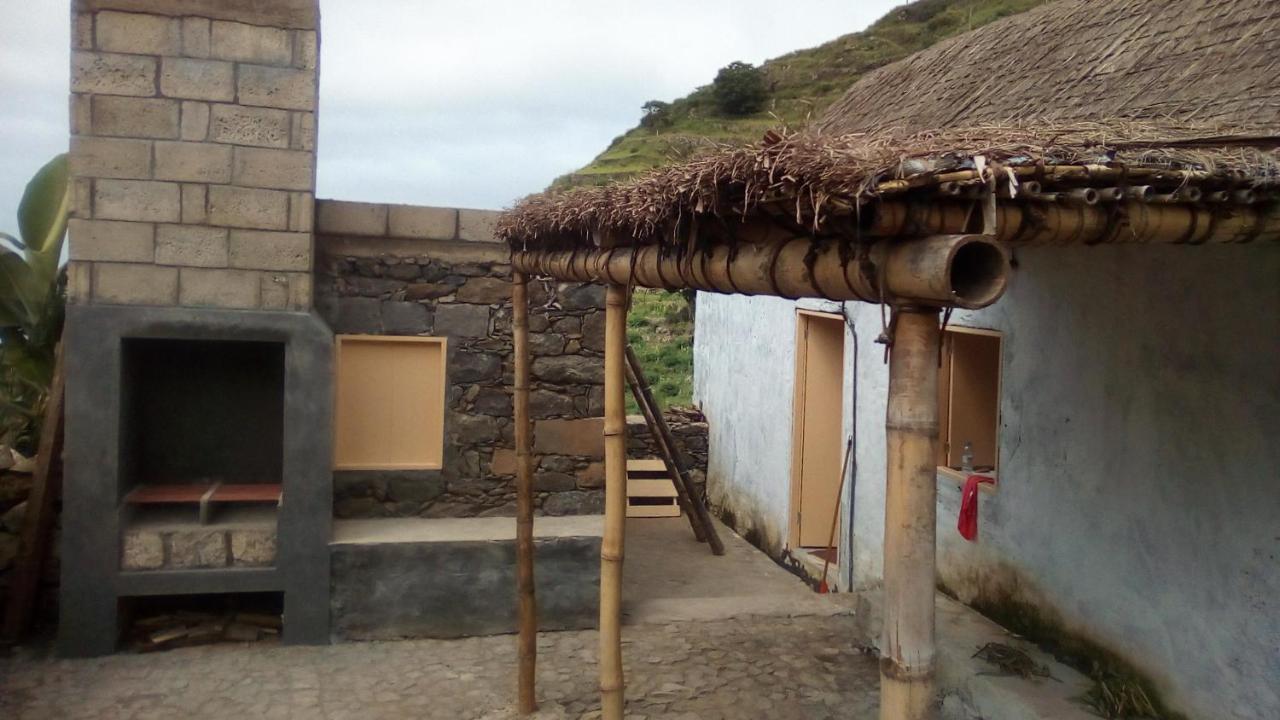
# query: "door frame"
(803, 318)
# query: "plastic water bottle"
(966, 457)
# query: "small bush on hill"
(739, 89)
(657, 114)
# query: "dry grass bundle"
(812, 176)
(1116, 696)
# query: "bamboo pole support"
(907, 648)
(527, 604)
(615, 502)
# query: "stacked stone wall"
(193, 153)
(194, 547)
(406, 270)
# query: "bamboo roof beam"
(967, 271)
(1082, 223)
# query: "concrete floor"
(668, 576)
(732, 637)
(740, 669)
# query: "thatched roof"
(1198, 61)
(885, 138)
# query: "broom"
(835, 520)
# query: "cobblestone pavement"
(776, 668)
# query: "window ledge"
(958, 477)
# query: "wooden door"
(819, 428)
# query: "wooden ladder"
(691, 504)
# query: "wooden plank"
(389, 408)
(651, 488)
(33, 540)
(248, 493)
(646, 465)
(671, 509)
(185, 494)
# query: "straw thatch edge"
(814, 177)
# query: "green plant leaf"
(19, 290)
(32, 302)
(42, 213)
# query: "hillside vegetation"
(660, 329)
(800, 86)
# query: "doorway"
(817, 429)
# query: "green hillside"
(801, 85)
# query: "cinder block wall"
(193, 152)
(408, 270)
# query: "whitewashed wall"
(1139, 451)
(744, 379)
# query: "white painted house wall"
(744, 368)
(1139, 497)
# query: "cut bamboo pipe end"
(968, 271)
(1244, 196)
(1083, 196)
(1140, 192)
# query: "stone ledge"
(405, 222)
(298, 14)
(422, 530)
(377, 246)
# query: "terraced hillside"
(801, 85)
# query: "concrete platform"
(449, 578)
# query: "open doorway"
(817, 433)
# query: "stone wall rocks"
(369, 280)
(421, 276)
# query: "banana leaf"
(42, 212)
(32, 301)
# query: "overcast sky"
(470, 104)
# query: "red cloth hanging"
(968, 523)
